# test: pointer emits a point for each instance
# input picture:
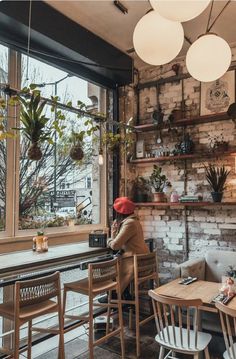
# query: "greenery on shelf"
(216, 177)
(140, 189)
(158, 180)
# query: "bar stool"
(145, 270)
(33, 298)
(102, 277)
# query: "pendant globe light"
(179, 10)
(157, 40)
(208, 58)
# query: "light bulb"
(100, 158)
(179, 10)
(208, 58)
(157, 40)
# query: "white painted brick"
(175, 247)
(147, 228)
(230, 220)
(145, 211)
(208, 225)
(158, 212)
(166, 264)
(174, 240)
(175, 235)
(157, 218)
(199, 219)
(227, 226)
(212, 231)
(177, 230)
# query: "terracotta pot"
(159, 197)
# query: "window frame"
(57, 234)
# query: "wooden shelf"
(185, 204)
(182, 157)
(185, 122)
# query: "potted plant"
(76, 150)
(216, 177)
(33, 123)
(140, 189)
(158, 181)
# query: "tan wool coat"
(129, 237)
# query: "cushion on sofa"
(193, 268)
(217, 264)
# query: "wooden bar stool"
(34, 298)
(102, 277)
(145, 271)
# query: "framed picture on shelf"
(216, 96)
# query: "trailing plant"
(216, 177)
(157, 180)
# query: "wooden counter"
(22, 261)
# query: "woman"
(127, 236)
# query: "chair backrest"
(176, 324)
(102, 272)
(146, 267)
(34, 291)
(228, 324)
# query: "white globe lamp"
(208, 58)
(157, 40)
(179, 10)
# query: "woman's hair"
(121, 216)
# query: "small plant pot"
(140, 197)
(217, 196)
(159, 197)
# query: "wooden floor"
(77, 348)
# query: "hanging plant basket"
(76, 152)
(34, 152)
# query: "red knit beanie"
(124, 205)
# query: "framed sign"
(216, 96)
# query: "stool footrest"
(45, 330)
(107, 336)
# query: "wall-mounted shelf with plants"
(151, 160)
(185, 122)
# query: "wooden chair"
(228, 324)
(145, 271)
(102, 277)
(32, 299)
(170, 314)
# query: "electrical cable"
(209, 16)
(217, 17)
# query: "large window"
(54, 191)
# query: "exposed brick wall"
(207, 227)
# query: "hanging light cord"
(209, 17)
(217, 17)
(29, 35)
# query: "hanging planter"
(34, 152)
(76, 152)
